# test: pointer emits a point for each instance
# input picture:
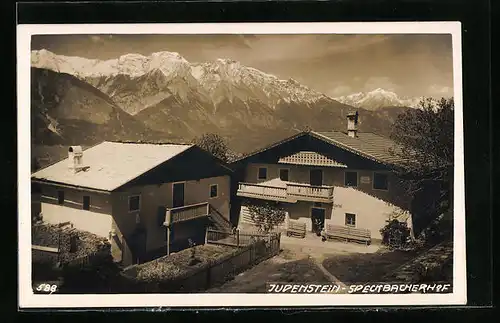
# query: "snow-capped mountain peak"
(378, 98)
(218, 80)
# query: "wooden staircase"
(218, 221)
(245, 216)
(245, 220)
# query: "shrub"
(438, 230)
(266, 215)
(396, 234)
(432, 272)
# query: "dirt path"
(301, 261)
(288, 266)
(254, 279)
(331, 278)
(297, 263)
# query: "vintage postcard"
(283, 164)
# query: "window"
(86, 202)
(60, 197)
(262, 173)
(350, 220)
(214, 191)
(134, 203)
(284, 174)
(380, 181)
(351, 179)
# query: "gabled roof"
(367, 145)
(111, 164)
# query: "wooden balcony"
(263, 192)
(186, 213)
(288, 192)
(312, 193)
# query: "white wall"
(372, 207)
(97, 220)
(96, 223)
(371, 212)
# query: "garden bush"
(396, 235)
(433, 273)
(438, 230)
(266, 215)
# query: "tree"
(214, 144)
(426, 143)
(232, 155)
(266, 215)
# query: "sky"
(408, 64)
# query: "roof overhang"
(322, 138)
(64, 185)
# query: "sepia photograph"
(281, 164)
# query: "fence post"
(168, 240)
(206, 235)
(279, 243)
(59, 245)
(238, 237)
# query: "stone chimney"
(352, 124)
(75, 157)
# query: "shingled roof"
(110, 165)
(365, 144)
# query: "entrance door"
(178, 195)
(316, 177)
(318, 219)
(138, 245)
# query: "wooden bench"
(336, 232)
(296, 229)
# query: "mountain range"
(378, 98)
(66, 110)
(164, 97)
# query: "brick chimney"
(75, 156)
(352, 124)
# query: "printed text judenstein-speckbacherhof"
(375, 288)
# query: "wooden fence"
(218, 271)
(238, 238)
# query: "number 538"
(46, 288)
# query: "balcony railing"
(265, 192)
(186, 213)
(290, 192)
(310, 192)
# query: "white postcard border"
(27, 299)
